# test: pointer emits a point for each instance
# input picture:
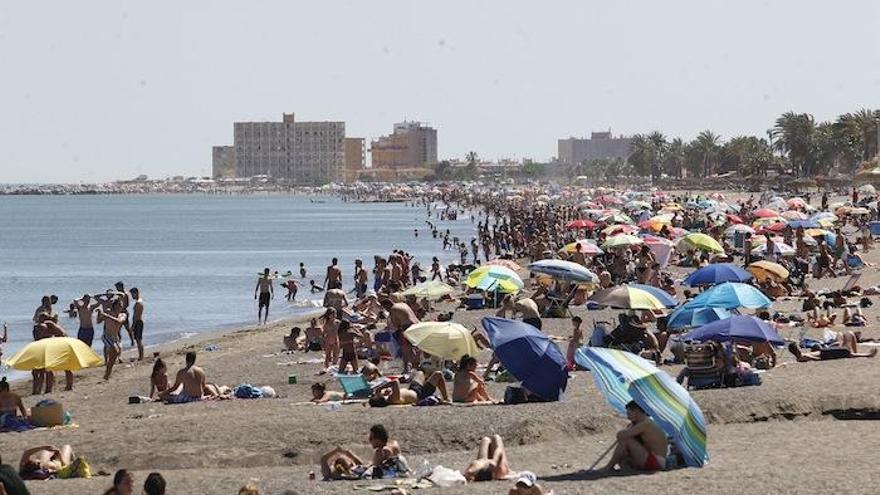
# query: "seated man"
(468, 386)
(189, 384)
(314, 337)
(320, 394)
(642, 445)
(387, 462)
(42, 462)
(491, 462)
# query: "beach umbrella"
(587, 247)
(581, 224)
(494, 278)
(622, 377)
(730, 295)
(737, 328)
(734, 218)
(780, 248)
(529, 355)
(617, 218)
(637, 205)
(738, 228)
(55, 354)
(619, 229)
(621, 241)
(444, 339)
(830, 237)
(804, 224)
(763, 270)
(765, 221)
(432, 289)
(660, 247)
(796, 203)
(625, 297)
(867, 189)
(717, 273)
(564, 270)
(701, 242)
(667, 299)
(513, 265)
(694, 317)
(765, 213)
(793, 215)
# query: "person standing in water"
(137, 321)
(333, 279)
(84, 310)
(264, 289)
(112, 339)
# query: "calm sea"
(194, 258)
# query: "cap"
(526, 478)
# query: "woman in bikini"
(159, 381)
(468, 387)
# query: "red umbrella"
(765, 213)
(734, 218)
(581, 224)
(776, 227)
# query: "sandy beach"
(793, 434)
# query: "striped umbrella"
(587, 247)
(495, 278)
(624, 297)
(564, 270)
(513, 265)
(623, 377)
(621, 241)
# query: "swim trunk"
(334, 285)
(87, 335)
(182, 398)
(348, 356)
(138, 329)
(654, 463)
(533, 321)
(422, 391)
(265, 297)
(110, 341)
(834, 353)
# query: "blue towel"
(8, 422)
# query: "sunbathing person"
(420, 389)
(468, 386)
(370, 370)
(491, 462)
(848, 348)
(44, 461)
(342, 464)
(642, 445)
(320, 394)
(159, 386)
(824, 320)
(387, 462)
(526, 484)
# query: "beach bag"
(515, 395)
(247, 391)
(445, 477)
(47, 413)
(762, 363)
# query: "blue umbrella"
(730, 295)
(690, 318)
(529, 355)
(806, 224)
(662, 295)
(736, 328)
(717, 273)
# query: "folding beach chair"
(701, 367)
(355, 386)
(558, 307)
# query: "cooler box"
(47, 415)
(475, 301)
(875, 228)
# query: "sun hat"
(526, 478)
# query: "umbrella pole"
(609, 449)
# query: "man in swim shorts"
(265, 291)
(137, 321)
(84, 310)
(191, 382)
(642, 445)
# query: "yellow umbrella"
(495, 278)
(55, 354)
(432, 289)
(701, 242)
(763, 270)
(444, 339)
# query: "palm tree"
(707, 143)
(658, 147)
(641, 154)
(859, 131)
(674, 160)
(794, 134)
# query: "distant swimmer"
(265, 291)
(302, 270)
(315, 287)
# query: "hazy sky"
(95, 90)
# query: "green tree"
(708, 145)
(658, 149)
(674, 159)
(794, 135)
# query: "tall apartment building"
(298, 152)
(573, 151)
(411, 145)
(355, 158)
(223, 161)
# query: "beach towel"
(354, 386)
(11, 423)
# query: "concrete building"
(223, 161)
(297, 152)
(573, 151)
(412, 145)
(355, 158)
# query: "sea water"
(195, 258)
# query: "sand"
(796, 433)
